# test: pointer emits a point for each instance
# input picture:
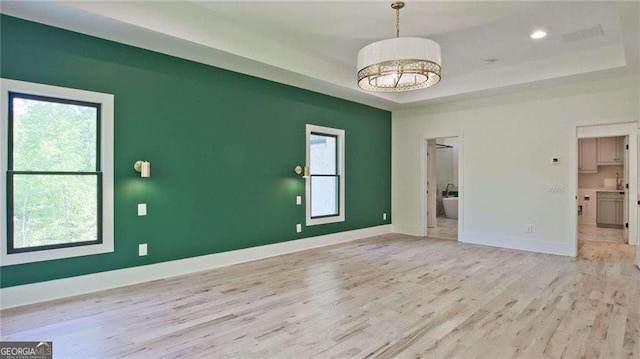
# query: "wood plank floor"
(620, 252)
(384, 297)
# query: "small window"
(325, 185)
(54, 173)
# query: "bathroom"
(445, 225)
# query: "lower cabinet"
(610, 211)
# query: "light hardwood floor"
(621, 252)
(604, 243)
(591, 232)
(446, 228)
(387, 296)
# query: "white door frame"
(620, 129)
(423, 181)
(432, 184)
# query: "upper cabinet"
(611, 150)
(587, 155)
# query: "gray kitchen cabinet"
(587, 155)
(610, 209)
(610, 150)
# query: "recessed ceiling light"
(538, 34)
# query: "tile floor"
(447, 229)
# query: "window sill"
(325, 220)
(51, 254)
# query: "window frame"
(11, 172)
(340, 167)
(104, 172)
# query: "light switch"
(298, 200)
(142, 209)
(142, 249)
(298, 228)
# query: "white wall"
(506, 145)
(590, 207)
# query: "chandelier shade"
(399, 64)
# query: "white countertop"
(603, 189)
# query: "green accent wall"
(222, 145)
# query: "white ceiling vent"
(584, 34)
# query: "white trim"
(61, 288)
(618, 129)
(629, 128)
(530, 244)
(106, 100)
(410, 231)
(341, 171)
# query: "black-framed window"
(54, 178)
(324, 175)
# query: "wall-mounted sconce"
(304, 171)
(144, 167)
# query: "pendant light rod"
(397, 6)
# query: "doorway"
(606, 215)
(443, 189)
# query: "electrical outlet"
(529, 228)
(298, 200)
(142, 209)
(384, 216)
(298, 228)
(142, 249)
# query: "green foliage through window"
(54, 179)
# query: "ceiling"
(486, 48)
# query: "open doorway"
(442, 188)
(606, 227)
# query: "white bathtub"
(450, 207)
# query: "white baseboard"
(408, 230)
(521, 243)
(60, 288)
